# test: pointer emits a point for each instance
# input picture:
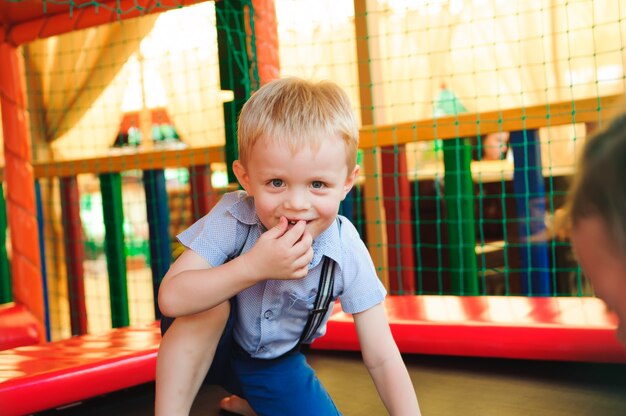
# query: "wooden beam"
(591, 111)
(588, 110)
(143, 160)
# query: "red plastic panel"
(40, 377)
(18, 327)
(21, 207)
(31, 20)
(266, 35)
(547, 328)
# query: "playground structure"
(383, 207)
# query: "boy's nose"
(297, 201)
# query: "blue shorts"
(285, 385)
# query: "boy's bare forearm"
(192, 285)
(192, 291)
(395, 388)
(384, 362)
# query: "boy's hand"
(281, 253)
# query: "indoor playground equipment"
(464, 246)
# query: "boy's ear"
(350, 181)
(242, 175)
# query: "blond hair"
(598, 188)
(296, 113)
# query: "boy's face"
(603, 264)
(306, 185)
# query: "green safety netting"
(168, 85)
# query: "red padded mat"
(546, 328)
(18, 327)
(39, 377)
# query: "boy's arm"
(384, 362)
(191, 285)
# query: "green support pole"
(459, 195)
(6, 291)
(111, 188)
(238, 68)
(231, 110)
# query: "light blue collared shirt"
(271, 315)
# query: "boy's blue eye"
(277, 183)
(317, 184)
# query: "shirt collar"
(328, 244)
(243, 210)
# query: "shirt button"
(268, 314)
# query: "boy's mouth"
(294, 222)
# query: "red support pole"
(266, 31)
(202, 195)
(20, 188)
(397, 201)
(74, 254)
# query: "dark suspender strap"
(322, 300)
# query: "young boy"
(251, 273)
(596, 211)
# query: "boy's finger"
(304, 244)
(293, 235)
(278, 230)
(306, 238)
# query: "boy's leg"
(185, 355)
(283, 386)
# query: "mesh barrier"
(472, 112)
